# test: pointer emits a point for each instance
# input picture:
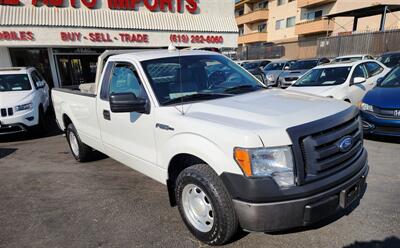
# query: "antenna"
(180, 64)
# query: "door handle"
(106, 115)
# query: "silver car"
(297, 70)
(274, 69)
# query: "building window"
(315, 15)
(290, 22)
(35, 57)
(281, 2)
(241, 31)
(262, 5)
(262, 27)
(239, 12)
(280, 24)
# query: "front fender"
(218, 158)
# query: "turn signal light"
(242, 157)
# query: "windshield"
(213, 76)
(275, 66)
(324, 77)
(250, 66)
(347, 59)
(304, 65)
(14, 82)
(390, 60)
(392, 79)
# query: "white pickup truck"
(232, 153)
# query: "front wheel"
(205, 205)
(80, 151)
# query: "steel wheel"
(74, 144)
(197, 207)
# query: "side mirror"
(359, 80)
(127, 103)
(286, 68)
(379, 80)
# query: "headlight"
(273, 162)
(270, 77)
(24, 107)
(366, 107)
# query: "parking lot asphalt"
(49, 200)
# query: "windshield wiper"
(243, 88)
(196, 97)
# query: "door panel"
(126, 136)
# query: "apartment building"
(264, 21)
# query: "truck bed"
(80, 108)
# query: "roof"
(143, 55)
(343, 64)
(14, 69)
(118, 19)
(366, 11)
(352, 56)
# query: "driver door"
(127, 137)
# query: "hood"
(13, 98)
(267, 113)
(294, 73)
(316, 90)
(387, 98)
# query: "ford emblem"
(345, 144)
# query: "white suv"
(24, 99)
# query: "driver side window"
(125, 79)
(359, 71)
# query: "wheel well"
(66, 121)
(177, 164)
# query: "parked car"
(380, 108)
(226, 158)
(256, 68)
(24, 99)
(297, 69)
(351, 58)
(391, 59)
(274, 69)
(343, 81)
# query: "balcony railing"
(255, 16)
(314, 27)
(312, 3)
(253, 37)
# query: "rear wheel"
(205, 205)
(80, 151)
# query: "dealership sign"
(178, 6)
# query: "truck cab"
(231, 152)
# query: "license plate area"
(351, 194)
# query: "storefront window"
(34, 57)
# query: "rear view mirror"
(286, 68)
(359, 80)
(127, 103)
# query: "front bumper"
(12, 129)
(261, 207)
(380, 126)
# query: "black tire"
(225, 220)
(84, 151)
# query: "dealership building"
(62, 38)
